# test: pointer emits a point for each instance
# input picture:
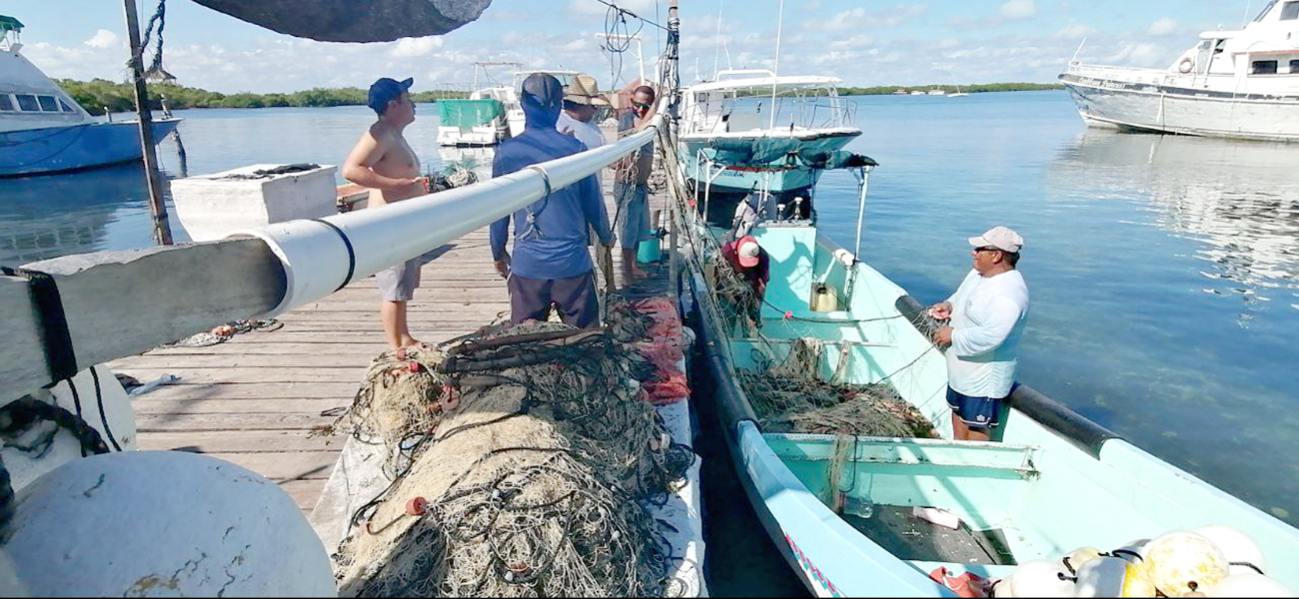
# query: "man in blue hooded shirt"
(550, 262)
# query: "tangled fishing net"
(789, 397)
(524, 458)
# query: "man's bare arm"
(366, 154)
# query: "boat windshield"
(1266, 9)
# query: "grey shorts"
(398, 283)
(633, 224)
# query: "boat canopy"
(10, 24)
(352, 21)
(780, 83)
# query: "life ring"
(1186, 65)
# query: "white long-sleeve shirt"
(988, 315)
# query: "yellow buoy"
(1182, 561)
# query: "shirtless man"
(384, 162)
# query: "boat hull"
(1118, 104)
(53, 150)
(782, 166)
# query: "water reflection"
(1239, 199)
(71, 213)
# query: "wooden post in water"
(161, 226)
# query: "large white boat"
(1240, 84)
(43, 130)
(752, 131)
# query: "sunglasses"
(640, 105)
(988, 248)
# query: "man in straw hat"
(986, 319)
(551, 263)
(582, 100)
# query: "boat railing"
(747, 114)
(1131, 74)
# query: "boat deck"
(254, 399)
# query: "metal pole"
(161, 226)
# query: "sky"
(863, 43)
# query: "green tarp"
(468, 113)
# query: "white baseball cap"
(1002, 238)
(747, 251)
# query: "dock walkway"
(254, 399)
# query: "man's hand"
(940, 311)
(503, 266)
(943, 336)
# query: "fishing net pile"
(789, 397)
(738, 303)
(524, 458)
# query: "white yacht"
(1240, 84)
(43, 130)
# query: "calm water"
(1164, 271)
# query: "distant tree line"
(97, 94)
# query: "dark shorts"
(398, 283)
(979, 413)
(575, 298)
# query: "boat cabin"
(743, 100)
(29, 99)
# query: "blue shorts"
(978, 413)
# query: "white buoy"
(154, 523)
(10, 586)
(1237, 546)
(1037, 578)
(1248, 584)
(1182, 561)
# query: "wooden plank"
(306, 465)
(302, 374)
(239, 360)
(258, 441)
(314, 405)
(274, 390)
(305, 493)
(229, 422)
(111, 300)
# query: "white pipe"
(780, 23)
(861, 211)
(315, 255)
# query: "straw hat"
(582, 89)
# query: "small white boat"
(936, 92)
(1239, 84)
(917, 92)
(481, 119)
(43, 130)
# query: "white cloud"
(860, 18)
(1018, 9)
(415, 47)
(102, 39)
(1163, 26)
(641, 8)
(1075, 31)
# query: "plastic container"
(942, 518)
(861, 507)
(650, 249)
(824, 298)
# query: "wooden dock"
(254, 399)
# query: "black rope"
(103, 417)
(351, 253)
(159, 18)
(28, 410)
(60, 357)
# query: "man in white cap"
(986, 320)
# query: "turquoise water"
(1164, 271)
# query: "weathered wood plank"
(274, 390)
(305, 493)
(229, 422)
(106, 294)
(314, 405)
(239, 360)
(306, 465)
(303, 374)
(258, 441)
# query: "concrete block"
(212, 206)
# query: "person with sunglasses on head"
(985, 319)
(385, 163)
(631, 186)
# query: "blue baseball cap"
(386, 90)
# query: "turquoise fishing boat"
(1052, 482)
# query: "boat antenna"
(1244, 19)
(1075, 52)
(718, 52)
(775, 71)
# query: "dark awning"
(9, 24)
(353, 20)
